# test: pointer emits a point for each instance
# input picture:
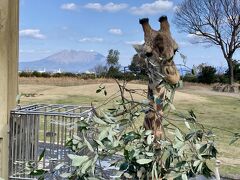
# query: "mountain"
(66, 61)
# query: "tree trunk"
(230, 71)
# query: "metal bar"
(78, 107)
(56, 108)
(55, 113)
(44, 136)
(23, 178)
(62, 133)
(41, 126)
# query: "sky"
(50, 26)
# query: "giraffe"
(158, 51)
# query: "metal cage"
(40, 127)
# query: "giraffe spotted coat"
(158, 51)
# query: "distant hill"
(66, 61)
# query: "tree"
(207, 75)
(138, 65)
(100, 70)
(113, 58)
(216, 22)
(236, 70)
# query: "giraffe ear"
(138, 48)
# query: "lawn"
(212, 109)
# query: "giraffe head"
(160, 47)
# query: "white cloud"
(69, 6)
(156, 7)
(91, 39)
(32, 33)
(110, 7)
(184, 44)
(193, 38)
(115, 31)
(134, 42)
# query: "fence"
(41, 127)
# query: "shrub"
(45, 75)
(25, 74)
(190, 78)
(36, 74)
(207, 75)
(57, 75)
(222, 78)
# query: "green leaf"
(100, 143)
(88, 144)
(213, 150)
(65, 175)
(124, 166)
(180, 164)
(184, 176)
(199, 169)
(127, 175)
(179, 135)
(178, 145)
(103, 134)
(196, 163)
(206, 171)
(98, 90)
(92, 178)
(94, 163)
(76, 137)
(99, 121)
(168, 162)
(150, 139)
(148, 132)
(85, 166)
(187, 124)
(105, 92)
(150, 154)
(77, 160)
(189, 136)
(203, 148)
(74, 141)
(144, 161)
(41, 155)
(128, 137)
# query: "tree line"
(137, 70)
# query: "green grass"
(77, 99)
(71, 99)
(223, 113)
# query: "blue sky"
(49, 26)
